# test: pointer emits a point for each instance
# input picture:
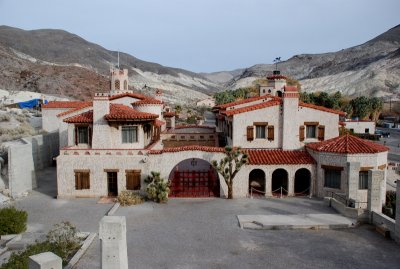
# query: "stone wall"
(24, 159)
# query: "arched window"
(117, 84)
(125, 85)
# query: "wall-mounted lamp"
(193, 162)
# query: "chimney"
(101, 130)
(290, 132)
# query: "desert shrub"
(157, 188)
(20, 118)
(61, 240)
(390, 206)
(12, 220)
(64, 240)
(8, 134)
(4, 117)
(127, 198)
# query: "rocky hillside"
(58, 62)
(372, 68)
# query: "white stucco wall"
(359, 127)
(50, 121)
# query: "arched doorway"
(194, 178)
(279, 93)
(257, 182)
(279, 180)
(302, 182)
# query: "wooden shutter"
(301, 133)
(133, 180)
(250, 133)
(77, 181)
(86, 180)
(90, 135)
(271, 132)
(321, 132)
(76, 135)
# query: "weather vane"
(276, 61)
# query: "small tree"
(229, 166)
(157, 188)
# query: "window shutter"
(90, 135)
(76, 135)
(321, 132)
(301, 133)
(271, 132)
(250, 133)
(87, 177)
(77, 181)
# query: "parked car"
(381, 133)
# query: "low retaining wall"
(354, 213)
(381, 219)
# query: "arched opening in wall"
(279, 93)
(117, 86)
(194, 178)
(302, 182)
(257, 182)
(279, 182)
(125, 85)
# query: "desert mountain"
(58, 62)
(372, 68)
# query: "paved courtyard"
(204, 233)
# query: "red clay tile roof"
(341, 113)
(251, 107)
(148, 101)
(348, 144)
(83, 105)
(187, 148)
(278, 156)
(64, 104)
(243, 101)
(158, 122)
(123, 112)
(291, 89)
(129, 94)
(169, 114)
(86, 117)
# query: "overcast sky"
(210, 35)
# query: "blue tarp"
(30, 104)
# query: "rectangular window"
(81, 135)
(310, 131)
(129, 134)
(367, 130)
(260, 131)
(332, 178)
(132, 179)
(82, 180)
(363, 180)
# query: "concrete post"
(374, 190)
(397, 225)
(113, 237)
(291, 184)
(353, 171)
(45, 260)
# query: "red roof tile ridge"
(269, 103)
(121, 111)
(85, 117)
(86, 105)
(63, 104)
(242, 101)
(322, 108)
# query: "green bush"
(12, 221)
(127, 198)
(157, 188)
(61, 240)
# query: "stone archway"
(279, 180)
(194, 178)
(302, 182)
(279, 94)
(257, 182)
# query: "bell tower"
(119, 80)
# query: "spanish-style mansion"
(112, 144)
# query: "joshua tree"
(229, 166)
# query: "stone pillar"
(374, 190)
(291, 184)
(113, 237)
(45, 260)
(397, 225)
(353, 171)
